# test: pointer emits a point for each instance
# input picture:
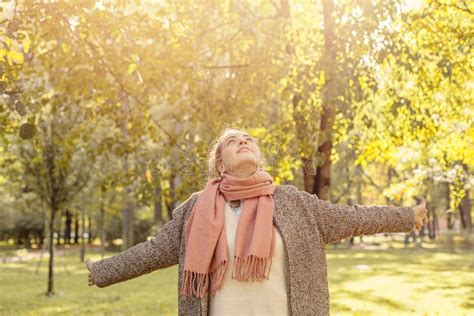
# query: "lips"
(243, 148)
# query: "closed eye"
(232, 139)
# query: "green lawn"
(404, 281)
(362, 282)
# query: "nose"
(243, 140)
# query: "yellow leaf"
(148, 176)
(132, 68)
(65, 48)
(3, 53)
(26, 44)
(322, 78)
(15, 57)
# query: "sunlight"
(411, 5)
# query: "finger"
(423, 202)
(421, 224)
(89, 264)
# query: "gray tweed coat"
(306, 225)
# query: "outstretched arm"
(157, 253)
(336, 222)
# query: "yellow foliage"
(65, 48)
(15, 58)
(131, 68)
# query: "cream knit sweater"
(268, 297)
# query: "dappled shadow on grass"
(394, 261)
(398, 275)
(469, 303)
(342, 307)
(369, 296)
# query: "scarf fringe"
(197, 284)
(252, 267)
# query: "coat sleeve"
(160, 252)
(336, 222)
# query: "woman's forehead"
(235, 134)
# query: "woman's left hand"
(421, 214)
(89, 264)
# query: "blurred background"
(109, 108)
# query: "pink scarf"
(205, 236)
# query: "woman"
(264, 256)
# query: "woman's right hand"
(89, 264)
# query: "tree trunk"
(359, 199)
(465, 212)
(89, 229)
(102, 221)
(433, 224)
(322, 180)
(50, 290)
(465, 209)
(298, 117)
(83, 232)
(41, 237)
(58, 240)
(450, 215)
(285, 9)
(128, 209)
(76, 228)
(68, 228)
(172, 203)
(158, 216)
(127, 221)
(53, 204)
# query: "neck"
(244, 173)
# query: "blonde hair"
(215, 151)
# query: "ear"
(219, 167)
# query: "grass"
(404, 281)
(362, 282)
(23, 291)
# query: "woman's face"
(240, 155)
